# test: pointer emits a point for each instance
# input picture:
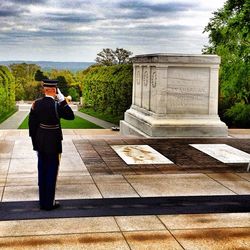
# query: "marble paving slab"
(223, 153)
(140, 154)
(213, 238)
(139, 223)
(88, 241)
(199, 221)
(57, 226)
(140, 240)
(20, 193)
(116, 190)
(80, 191)
(176, 185)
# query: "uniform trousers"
(48, 165)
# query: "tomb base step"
(150, 127)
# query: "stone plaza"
(174, 178)
(92, 172)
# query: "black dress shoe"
(55, 206)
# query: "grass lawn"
(102, 116)
(76, 123)
(5, 116)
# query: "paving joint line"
(132, 186)
(94, 182)
(221, 184)
(207, 228)
(243, 178)
(7, 173)
(176, 239)
(122, 232)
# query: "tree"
(62, 85)
(39, 76)
(110, 57)
(24, 75)
(122, 55)
(106, 57)
(229, 37)
(66, 80)
(75, 92)
(67, 74)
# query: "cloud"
(28, 2)
(10, 12)
(143, 26)
(142, 9)
(159, 7)
(17, 8)
(8, 9)
(72, 18)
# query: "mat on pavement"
(26, 210)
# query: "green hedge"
(108, 89)
(7, 91)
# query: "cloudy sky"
(76, 30)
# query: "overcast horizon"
(75, 31)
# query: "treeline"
(7, 92)
(107, 86)
(28, 79)
(108, 89)
(105, 89)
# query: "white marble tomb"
(140, 154)
(174, 95)
(223, 153)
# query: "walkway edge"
(95, 120)
(14, 121)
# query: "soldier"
(46, 134)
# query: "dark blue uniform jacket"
(44, 124)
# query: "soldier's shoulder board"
(34, 104)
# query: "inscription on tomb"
(153, 90)
(188, 90)
(153, 78)
(145, 78)
(138, 75)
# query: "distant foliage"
(74, 92)
(7, 91)
(68, 82)
(229, 37)
(26, 87)
(108, 89)
(39, 75)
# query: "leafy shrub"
(7, 91)
(74, 93)
(239, 114)
(108, 89)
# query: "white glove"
(60, 96)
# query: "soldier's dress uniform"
(46, 134)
